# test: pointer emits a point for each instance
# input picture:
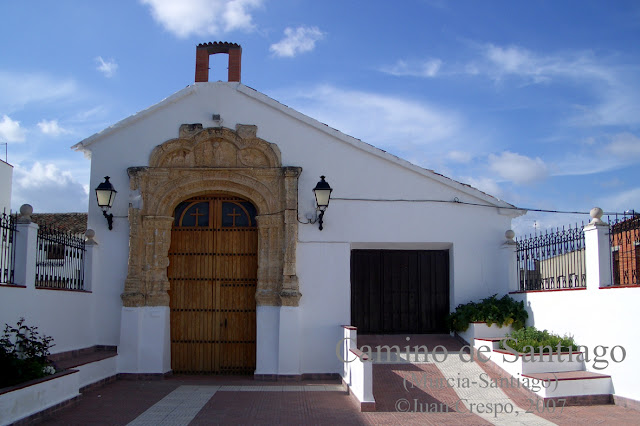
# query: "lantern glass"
(106, 194)
(323, 193)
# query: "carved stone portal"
(205, 161)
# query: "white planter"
(28, 400)
(480, 330)
(520, 364)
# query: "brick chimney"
(203, 50)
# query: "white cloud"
(460, 156)
(386, 121)
(20, 89)
(48, 189)
(51, 127)
(484, 184)
(622, 201)
(601, 154)
(518, 168)
(203, 17)
(10, 130)
(297, 40)
(108, 68)
(614, 87)
(624, 145)
(521, 62)
(429, 68)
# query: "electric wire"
(456, 201)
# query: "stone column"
(270, 254)
(133, 295)
(157, 239)
(597, 251)
(290, 293)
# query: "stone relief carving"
(204, 161)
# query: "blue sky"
(537, 103)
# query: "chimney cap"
(218, 47)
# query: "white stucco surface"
(6, 179)
(474, 235)
(595, 317)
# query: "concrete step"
(569, 384)
(95, 364)
(492, 342)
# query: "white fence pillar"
(511, 248)
(90, 259)
(26, 247)
(597, 251)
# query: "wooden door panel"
(213, 276)
(399, 291)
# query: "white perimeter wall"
(6, 178)
(75, 319)
(595, 317)
(474, 235)
(66, 316)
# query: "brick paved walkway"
(203, 400)
(124, 401)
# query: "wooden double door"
(213, 275)
(399, 291)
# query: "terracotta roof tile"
(76, 223)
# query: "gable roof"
(272, 103)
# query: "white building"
(211, 266)
(6, 178)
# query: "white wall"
(473, 234)
(6, 178)
(75, 319)
(64, 315)
(595, 317)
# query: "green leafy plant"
(538, 339)
(502, 312)
(23, 354)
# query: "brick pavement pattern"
(121, 402)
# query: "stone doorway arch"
(213, 160)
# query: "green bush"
(531, 336)
(23, 355)
(503, 312)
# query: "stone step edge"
(543, 376)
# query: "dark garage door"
(399, 291)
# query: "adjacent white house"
(216, 263)
(6, 179)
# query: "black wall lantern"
(322, 192)
(106, 193)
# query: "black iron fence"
(624, 237)
(7, 248)
(552, 260)
(59, 259)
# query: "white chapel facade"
(212, 265)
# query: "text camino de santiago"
(384, 353)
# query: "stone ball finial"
(596, 213)
(26, 210)
(596, 216)
(509, 235)
(90, 233)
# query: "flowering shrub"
(23, 354)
